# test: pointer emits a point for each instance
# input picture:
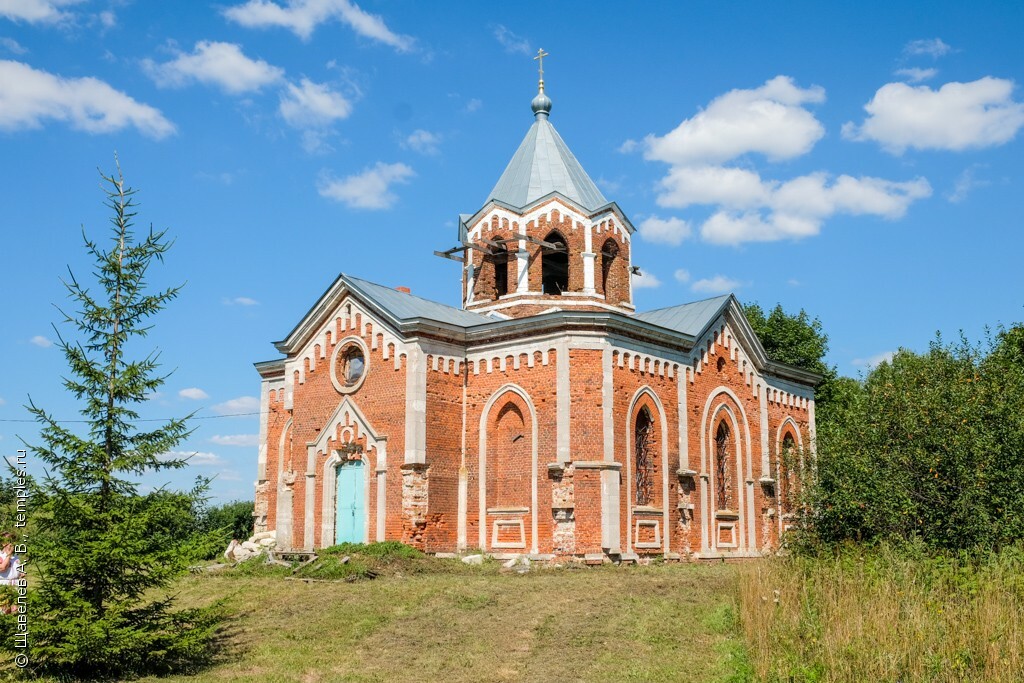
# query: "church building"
(546, 416)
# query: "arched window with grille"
(723, 471)
(643, 442)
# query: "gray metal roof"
(544, 164)
(405, 306)
(690, 319)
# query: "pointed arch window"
(555, 266)
(723, 473)
(787, 460)
(643, 439)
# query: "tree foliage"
(106, 553)
(930, 450)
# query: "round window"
(349, 365)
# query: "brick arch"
(348, 421)
(496, 411)
(721, 406)
(646, 398)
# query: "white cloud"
(931, 47)
(733, 187)
(511, 42)
(193, 393)
(718, 284)
(665, 230)
(218, 64)
(236, 439)
(753, 209)
(301, 17)
(41, 341)
(241, 301)
(312, 105)
(36, 11)
(916, 75)
(473, 105)
(966, 183)
(871, 362)
(12, 46)
(196, 458)
(29, 96)
(768, 120)
(955, 117)
(681, 275)
(238, 406)
(423, 141)
(2, 401)
(793, 282)
(645, 281)
(629, 146)
(370, 189)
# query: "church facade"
(546, 416)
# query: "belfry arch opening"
(500, 257)
(609, 259)
(555, 265)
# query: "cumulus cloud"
(629, 146)
(753, 209)
(29, 96)
(370, 189)
(670, 231)
(929, 47)
(41, 341)
(238, 406)
(423, 141)
(219, 64)
(718, 284)
(681, 275)
(645, 280)
(916, 75)
(770, 120)
(871, 362)
(236, 439)
(36, 11)
(197, 458)
(511, 42)
(193, 394)
(301, 17)
(955, 117)
(312, 105)
(12, 46)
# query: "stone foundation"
(415, 485)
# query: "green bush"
(927, 449)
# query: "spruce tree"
(106, 553)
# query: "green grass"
(423, 619)
(885, 615)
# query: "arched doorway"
(350, 503)
(555, 265)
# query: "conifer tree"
(106, 553)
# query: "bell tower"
(546, 238)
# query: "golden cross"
(540, 59)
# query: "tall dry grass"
(885, 615)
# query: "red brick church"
(545, 417)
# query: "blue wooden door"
(351, 503)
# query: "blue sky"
(860, 160)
